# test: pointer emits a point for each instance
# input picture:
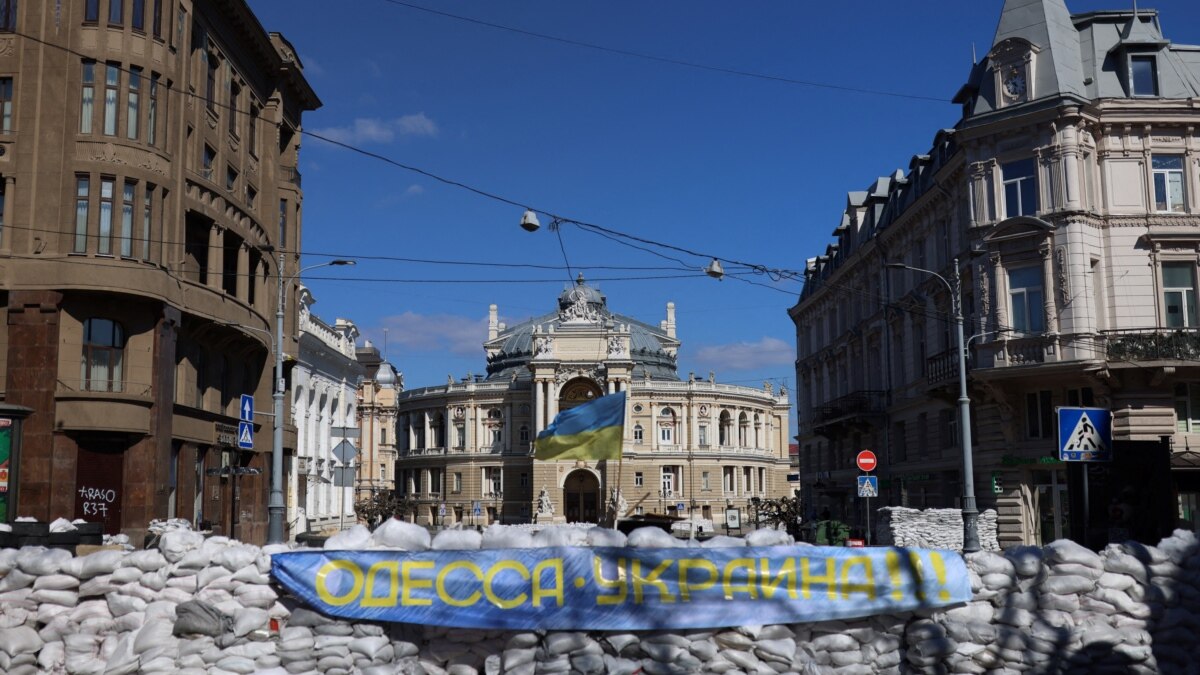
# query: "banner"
(567, 588)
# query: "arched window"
(666, 427)
(637, 433)
(103, 357)
(743, 428)
(726, 428)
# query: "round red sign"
(865, 460)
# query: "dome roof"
(386, 377)
(582, 308)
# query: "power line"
(669, 60)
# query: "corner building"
(694, 442)
(1068, 195)
(148, 154)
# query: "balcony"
(1153, 344)
(942, 369)
(857, 409)
(290, 174)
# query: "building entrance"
(581, 497)
(98, 484)
(1052, 506)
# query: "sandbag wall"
(932, 528)
(1062, 608)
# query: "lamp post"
(970, 514)
(276, 507)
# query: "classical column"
(1048, 286)
(244, 278)
(539, 398)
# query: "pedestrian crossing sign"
(1084, 434)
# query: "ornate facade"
(692, 447)
(148, 186)
(324, 397)
(1067, 199)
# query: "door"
(1053, 507)
(581, 497)
(99, 477)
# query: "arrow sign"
(245, 436)
(247, 408)
(865, 461)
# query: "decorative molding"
(1064, 281)
(111, 153)
(8, 46)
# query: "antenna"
(974, 59)
(385, 331)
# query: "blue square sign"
(246, 409)
(1084, 434)
(245, 436)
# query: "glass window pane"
(1020, 316)
(1178, 275)
(1167, 162)
(1142, 73)
(1037, 317)
(1029, 200)
(1175, 190)
(1025, 277)
(1012, 199)
(1160, 191)
(1189, 298)
(1173, 304)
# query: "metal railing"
(1153, 344)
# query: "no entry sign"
(865, 461)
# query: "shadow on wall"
(1131, 608)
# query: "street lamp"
(275, 507)
(970, 514)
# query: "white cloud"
(414, 190)
(411, 332)
(417, 125)
(372, 68)
(766, 352)
(374, 130)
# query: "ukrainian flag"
(589, 431)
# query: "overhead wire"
(666, 59)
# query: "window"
(116, 11)
(457, 482)
(638, 479)
(6, 104)
(948, 423)
(127, 219)
(156, 20)
(283, 223)
(234, 92)
(107, 188)
(112, 80)
(210, 85)
(103, 352)
(666, 434)
(637, 433)
(152, 112)
(231, 176)
(252, 131)
(704, 483)
(147, 214)
(702, 435)
(1025, 300)
(668, 481)
(1039, 415)
(91, 11)
(8, 16)
(1187, 406)
(1020, 188)
(524, 480)
(81, 214)
(523, 434)
(1179, 294)
(138, 20)
(210, 156)
(87, 97)
(1168, 183)
(1143, 76)
(131, 111)
(1081, 397)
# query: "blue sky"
(742, 168)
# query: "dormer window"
(1143, 75)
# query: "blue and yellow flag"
(589, 431)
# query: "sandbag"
(200, 618)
